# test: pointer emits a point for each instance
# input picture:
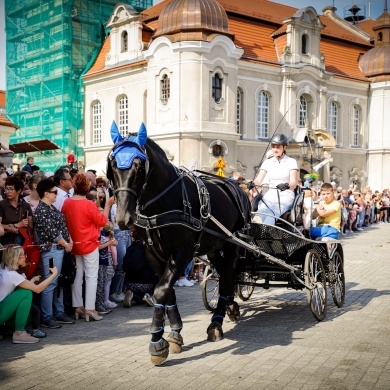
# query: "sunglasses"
(55, 192)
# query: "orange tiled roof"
(6, 122)
(2, 98)
(258, 28)
(367, 26)
(341, 58)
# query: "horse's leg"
(225, 266)
(165, 298)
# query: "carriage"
(180, 214)
(286, 257)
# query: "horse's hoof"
(233, 311)
(175, 341)
(159, 351)
(214, 332)
(159, 359)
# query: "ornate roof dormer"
(375, 64)
(192, 20)
(125, 34)
(303, 38)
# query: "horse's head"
(126, 170)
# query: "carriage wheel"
(316, 279)
(210, 288)
(244, 291)
(337, 279)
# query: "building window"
(240, 96)
(333, 118)
(302, 111)
(355, 126)
(124, 42)
(304, 44)
(165, 89)
(217, 88)
(380, 37)
(262, 115)
(123, 115)
(96, 122)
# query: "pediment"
(122, 14)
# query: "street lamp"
(311, 152)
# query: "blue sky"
(373, 8)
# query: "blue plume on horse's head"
(142, 135)
(115, 134)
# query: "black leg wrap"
(158, 322)
(220, 311)
(159, 347)
(174, 318)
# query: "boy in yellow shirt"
(328, 211)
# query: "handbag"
(68, 271)
(31, 250)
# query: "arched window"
(355, 126)
(123, 115)
(216, 89)
(333, 119)
(302, 111)
(304, 44)
(124, 41)
(239, 108)
(96, 122)
(380, 37)
(165, 89)
(262, 115)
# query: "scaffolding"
(49, 45)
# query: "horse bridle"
(141, 149)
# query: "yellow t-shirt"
(334, 219)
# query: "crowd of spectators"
(65, 211)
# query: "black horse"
(178, 215)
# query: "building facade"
(211, 79)
(49, 46)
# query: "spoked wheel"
(210, 288)
(337, 279)
(244, 291)
(315, 279)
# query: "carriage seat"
(294, 215)
(331, 243)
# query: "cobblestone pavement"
(277, 344)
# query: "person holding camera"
(16, 293)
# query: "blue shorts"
(324, 231)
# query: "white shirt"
(278, 171)
(61, 196)
(8, 281)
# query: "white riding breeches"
(272, 205)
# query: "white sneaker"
(110, 304)
(117, 298)
(184, 283)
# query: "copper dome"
(192, 20)
(375, 64)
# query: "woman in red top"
(84, 221)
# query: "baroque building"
(211, 78)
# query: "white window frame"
(333, 119)
(165, 89)
(239, 108)
(303, 108)
(96, 122)
(215, 88)
(356, 124)
(123, 115)
(263, 114)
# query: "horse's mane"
(158, 154)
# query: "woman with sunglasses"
(14, 212)
(16, 303)
(53, 237)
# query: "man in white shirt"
(65, 186)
